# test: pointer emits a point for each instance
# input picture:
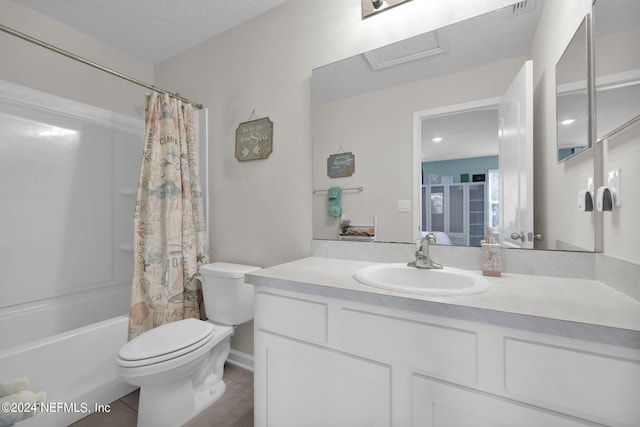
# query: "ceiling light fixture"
(437, 139)
(372, 7)
(567, 122)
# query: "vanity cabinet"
(321, 361)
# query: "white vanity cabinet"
(323, 361)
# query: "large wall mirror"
(616, 32)
(365, 105)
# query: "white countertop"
(578, 308)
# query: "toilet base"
(176, 402)
(166, 405)
(204, 399)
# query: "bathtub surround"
(66, 256)
(170, 238)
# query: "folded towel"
(23, 396)
(335, 201)
(12, 386)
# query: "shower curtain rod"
(93, 64)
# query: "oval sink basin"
(402, 278)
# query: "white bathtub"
(66, 256)
(77, 368)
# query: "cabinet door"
(438, 404)
(437, 200)
(300, 384)
(457, 229)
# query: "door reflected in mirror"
(572, 98)
(459, 153)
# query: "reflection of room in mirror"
(469, 61)
(347, 94)
(572, 98)
(616, 34)
(460, 209)
(617, 102)
(573, 122)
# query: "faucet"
(423, 259)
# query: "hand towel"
(335, 201)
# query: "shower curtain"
(169, 226)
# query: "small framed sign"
(341, 165)
(254, 139)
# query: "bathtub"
(66, 253)
(76, 368)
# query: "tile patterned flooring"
(233, 409)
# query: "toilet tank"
(227, 298)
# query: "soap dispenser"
(491, 262)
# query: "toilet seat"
(166, 342)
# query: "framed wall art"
(254, 139)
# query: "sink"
(401, 278)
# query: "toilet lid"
(163, 342)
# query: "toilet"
(179, 366)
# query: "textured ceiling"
(151, 30)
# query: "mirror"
(572, 97)
(616, 35)
(370, 114)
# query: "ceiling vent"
(523, 7)
(412, 49)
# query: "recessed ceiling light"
(437, 139)
(567, 122)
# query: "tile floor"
(234, 409)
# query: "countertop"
(576, 308)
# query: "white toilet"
(179, 366)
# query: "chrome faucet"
(423, 259)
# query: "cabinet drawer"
(596, 386)
(293, 317)
(439, 351)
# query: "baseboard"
(243, 360)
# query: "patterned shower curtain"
(169, 226)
